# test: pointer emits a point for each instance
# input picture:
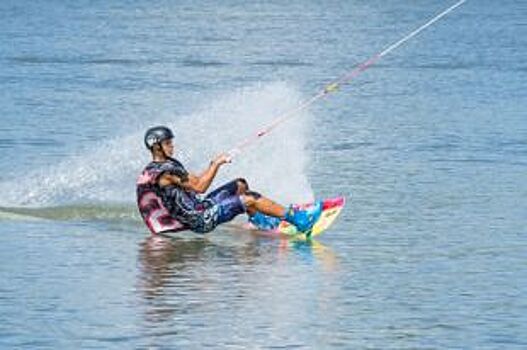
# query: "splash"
(106, 175)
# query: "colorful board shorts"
(226, 205)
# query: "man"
(171, 199)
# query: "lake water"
(429, 146)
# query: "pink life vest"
(155, 215)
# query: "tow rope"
(335, 85)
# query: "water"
(429, 145)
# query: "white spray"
(107, 174)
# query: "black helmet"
(157, 134)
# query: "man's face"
(168, 147)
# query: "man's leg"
(232, 188)
(254, 202)
(302, 219)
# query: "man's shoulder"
(170, 166)
(175, 162)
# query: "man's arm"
(199, 184)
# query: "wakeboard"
(331, 209)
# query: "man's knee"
(250, 198)
(242, 184)
(254, 195)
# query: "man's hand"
(222, 159)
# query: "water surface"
(429, 146)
